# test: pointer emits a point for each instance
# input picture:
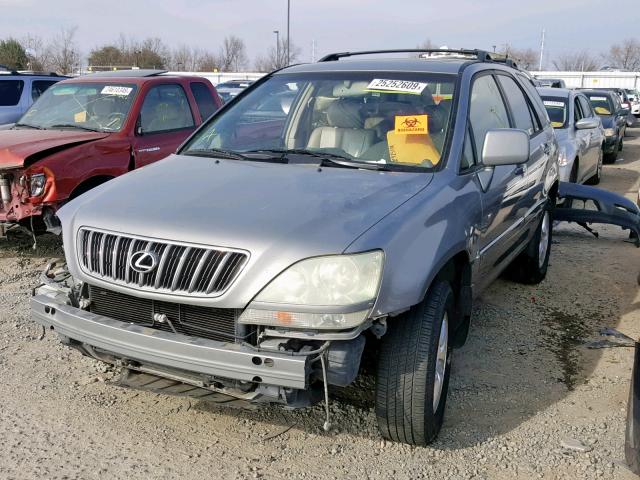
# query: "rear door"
(164, 122)
(528, 192)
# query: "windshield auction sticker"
(396, 86)
(116, 90)
(550, 103)
(412, 124)
(599, 99)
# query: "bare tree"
(208, 62)
(277, 57)
(37, 52)
(63, 51)
(625, 55)
(233, 54)
(526, 58)
(581, 61)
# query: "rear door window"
(165, 108)
(204, 99)
(487, 110)
(518, 103)
(10, 92)
(38, 87)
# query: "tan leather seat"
(345, 130)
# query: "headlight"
(563, 160)
(328, 283)
(37, 182)
(609, 132)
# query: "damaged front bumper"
(175, 351)
(586, 205)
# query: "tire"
(573, 176)
(611, 157)
(530, 267)
(595, 179)
(414, 354)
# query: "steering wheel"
(114, 120)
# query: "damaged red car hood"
(17, 146)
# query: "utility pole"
(277, 32)
(288, 31)
(541, 51)
(313, 50)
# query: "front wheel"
(595, 179)
(413, 370)
(530, 266)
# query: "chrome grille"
(181, 268)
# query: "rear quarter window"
(204, 99)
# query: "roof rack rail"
(32, 73)
(480, 55)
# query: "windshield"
(101, 107)
(557, 111)
(601, 104)
(384, 118)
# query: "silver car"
(579, 133)
(258, 262)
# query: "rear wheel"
(530, 266)
(413, 370)
(611, 157)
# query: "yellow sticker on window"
(412, 124)
(557, 124)
(412, 149)
(80, 117)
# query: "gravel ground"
(528, 399)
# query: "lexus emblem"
(143, 262)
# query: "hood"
(278, 213)
(607, 121)
(25, 146)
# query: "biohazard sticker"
(396, 86)
(116, 90)
(412, 124)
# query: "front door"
(165, 121)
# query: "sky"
(334, 25)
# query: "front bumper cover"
(197, 355)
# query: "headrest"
(344, 114)
(102, 107)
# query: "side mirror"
(139, 131)
(586, 123)
(507, 146)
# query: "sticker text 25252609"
(398, 86)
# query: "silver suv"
(18, 90)
(279, 247)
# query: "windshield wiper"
(71, 125)
(215, 153)
(35, 127)
(326, 158)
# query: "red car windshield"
(102, 107)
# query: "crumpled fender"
(612, 208)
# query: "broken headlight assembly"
(563, 159)
(609, 132)
(325, 293)
(37, 183)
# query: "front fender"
(420, 237)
